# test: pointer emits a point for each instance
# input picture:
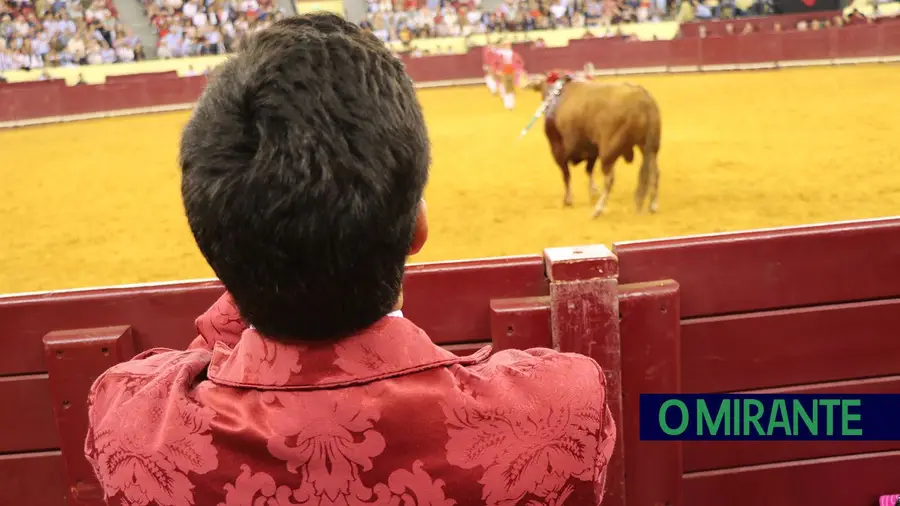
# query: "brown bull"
(605, 121)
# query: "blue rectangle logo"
(773, 417)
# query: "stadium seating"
(64, 33)
(40, 102)
(195, 27)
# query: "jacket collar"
(392, 346)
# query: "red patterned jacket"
(384, 417)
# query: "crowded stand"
(76, 32)
(853, 15)
(39, 35)
(197, 27)
(405, 22)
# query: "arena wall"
(782, 311)
(36, 102)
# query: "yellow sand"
(97, 203)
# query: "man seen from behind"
(303, 169)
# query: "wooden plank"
(465, 349)
(27, 415)
(161, 315)
(791, 347)
(75, 358)
(520, 323)
(769, 269)
(32, 479)
(841, 481)
(584, 318)
(451, 300)
(651, 363)
(708, 455)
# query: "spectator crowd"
(405, 21)
(207, 27)
(38, 34)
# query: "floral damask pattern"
(535, 446)
(145, 449)
(330, 448)
(255, 422)
(260, 361)
(330, 445)
(535, 454)
(222, 322)
(403, 488)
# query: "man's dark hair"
(302, 169)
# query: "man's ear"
(420, 232)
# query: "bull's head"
(537, 84)
(544, 83)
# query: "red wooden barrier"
(803, 309)
(75, 335)
(30, 101)
(810, 309)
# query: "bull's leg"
(610, 150)
(559, 154)
(648, 181)
(592, 185)
(567, 199)
(609, 177)
(654, 183)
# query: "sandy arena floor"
(97, 203)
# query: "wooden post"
(75, 358)
(651, 364)
(584, 318)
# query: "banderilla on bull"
(554, 92)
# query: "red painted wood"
(520, 323)
(26, 419)
(844, 335)
(32, 479)
(791, 347)
(651, 363)
(840, 481)
(768, 269)
(703, 456)
(160, 315)
(584, 319)
(580, 263)
(75, 358)
(465, 349)
(451, 300)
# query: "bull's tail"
(648, 178)
(654, 125)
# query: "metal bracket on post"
(75, 358)
(584, 318)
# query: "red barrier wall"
(46, 99)
(736, 312)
